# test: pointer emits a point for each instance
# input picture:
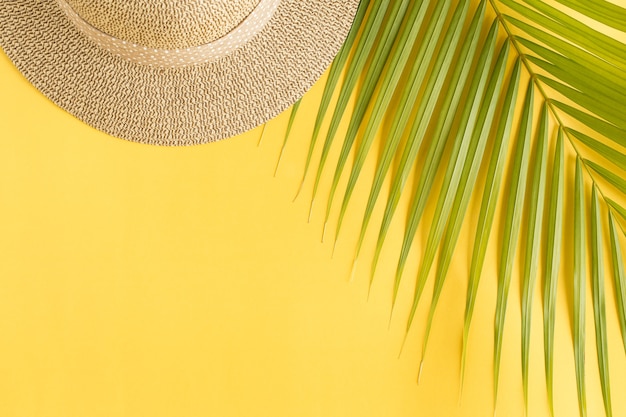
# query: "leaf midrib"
(548, 101)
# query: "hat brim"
(175, 106)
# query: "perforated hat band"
(180, 57)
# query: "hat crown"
(166, 24)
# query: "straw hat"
(174, 72)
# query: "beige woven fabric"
(175, 106)
(165, 23)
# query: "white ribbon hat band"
(174, 58)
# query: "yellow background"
(181, 282)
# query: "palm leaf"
(572, 72)
(435, 151)
(469, 175)
(422, 70)
(512, 225)
(292, 119)
(459, 150)
(395, 67)
(569, 28)
(335, 72)
(600, 10)
(553, 259)
(425, 110)
(599, 308)
(433, 88)
(617, 208)
(580, 275)
(600, 126)
(618, 275)
(533, 241)
(609, 153)
(488, 206)
(615, 180)
(379, 55)
(563, 50)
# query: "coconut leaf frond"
(438, 82)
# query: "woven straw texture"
(175, 106)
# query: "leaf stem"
(545, 97)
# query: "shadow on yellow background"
(146, 281)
